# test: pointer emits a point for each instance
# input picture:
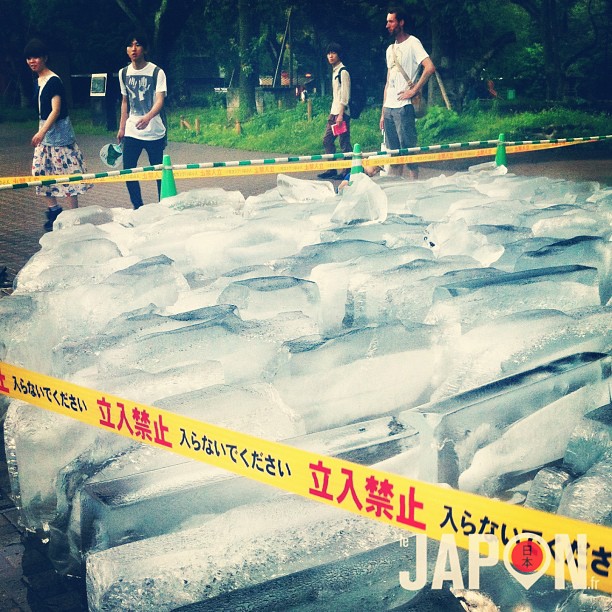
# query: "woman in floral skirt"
(55, 149)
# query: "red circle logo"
(527, 556)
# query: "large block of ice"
(517, 449)
(452, 238)
(474, 301)
(295, 190)
(396, 231)
(258, 242)
(262, 298)
(241, 548)
(314, 255)
(590, 442)
(70, 264)
(360, 374)
(94, 214)
(56, 319)
(362, 201)
(519, 342)
(82, 352)
(364, 581)
(466, 438)
(575, 222)
(117, 506)
(333, 280)
(404, 293)
(547, 488)
(236, 344)
(590, 251)
(589, 497)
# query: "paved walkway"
(27, 581)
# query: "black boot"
(52, 214)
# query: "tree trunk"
(436, 53)
(550, 24)
(547, 14)
(249, 68)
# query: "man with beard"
(405, 58)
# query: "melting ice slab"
(242, 547)
(281, 317)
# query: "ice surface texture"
(442, 308)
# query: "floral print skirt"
(59, 160)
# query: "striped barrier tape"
(422, 508)
(182, 172)
(305, 163)
(448, 156)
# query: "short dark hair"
(140, 37)
(35, 48)
(399, 13)
(334, 47)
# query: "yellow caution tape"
(419, 507)
(310, 166)
(463, 154)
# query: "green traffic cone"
(168, 186)
(357, 163)
(500, 154)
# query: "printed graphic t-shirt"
(141, 97)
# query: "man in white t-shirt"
(405, 57)
(143, 92)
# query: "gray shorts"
(400, 127)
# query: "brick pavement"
(27, 581)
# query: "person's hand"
(339, 119)
(120, 135)
(37, 138)
(381, 124)
(407, 94)
(142, 123)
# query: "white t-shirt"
(141, 97)
(409, 54)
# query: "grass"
(290, 130)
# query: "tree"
(161, 20)
(248, 26)
(570, 31)
(17, 77)
(562, 47)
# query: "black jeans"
(329, 145)
(132, 148)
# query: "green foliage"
(438, 126)
(289, 131)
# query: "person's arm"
(382, 112)
(428, 70)
(345, 94)
(160, 97)
(56, 107)
(123, 119)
